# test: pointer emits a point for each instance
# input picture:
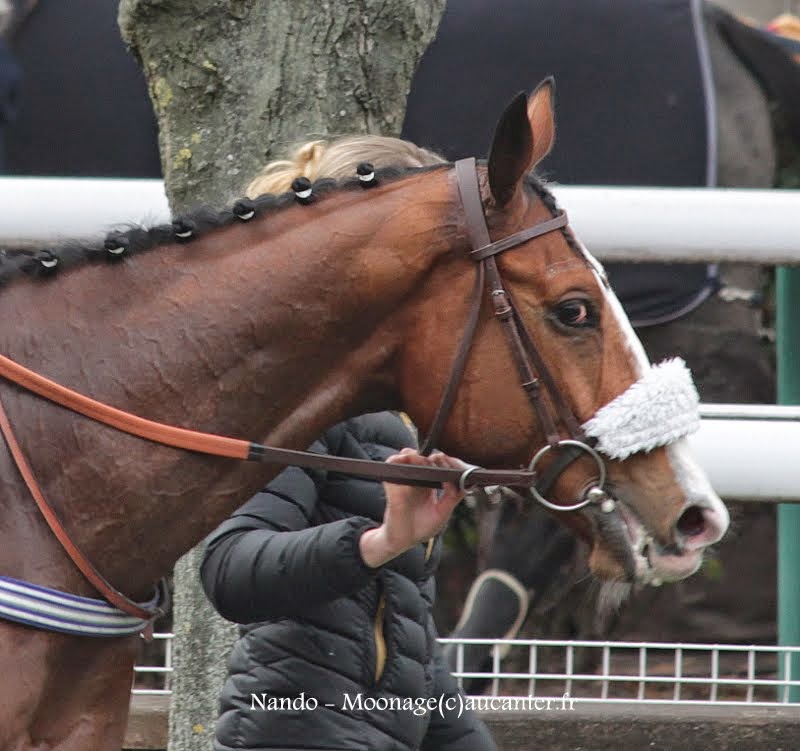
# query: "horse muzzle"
(697, 528)
(658, 410)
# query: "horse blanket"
(635, 106)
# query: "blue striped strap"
(53, 610)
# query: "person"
(332, 577)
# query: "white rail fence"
(599, 671)
(616, 224)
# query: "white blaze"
(688, 473)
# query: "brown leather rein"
(530, 364)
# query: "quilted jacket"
(333, 655)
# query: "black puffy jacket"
(333, 655)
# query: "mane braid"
(137, 239)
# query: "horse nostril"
(692, 522)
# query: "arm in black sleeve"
(452, 732)
(266, 561)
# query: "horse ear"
(541, 116)
(523, 137)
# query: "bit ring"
(583, 447)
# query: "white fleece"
(657, 410)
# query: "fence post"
(787, 326)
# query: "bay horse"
(284, 316)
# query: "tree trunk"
(233, 85)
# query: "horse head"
(602, 423)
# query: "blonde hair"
(338, 159)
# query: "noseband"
(534, 375)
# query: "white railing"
(653, 672)
(615, 223)
(153, 676)
(604, 671)
(749, 451)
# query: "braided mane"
(133, 239)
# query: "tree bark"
(233, 85)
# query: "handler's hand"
(413, 514)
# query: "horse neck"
(270, 331)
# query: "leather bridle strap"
(495, 248)
(530, 365)
(458, 366)
(564, 412)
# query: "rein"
(235, 448)
(533, 374)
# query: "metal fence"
(153, 672)
(601, 671)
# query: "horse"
(280, 317)
(713, 104)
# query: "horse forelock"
(44, 263)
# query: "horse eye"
(576, 314)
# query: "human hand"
(413, 514)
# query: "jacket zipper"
(379, 623)
(380, 638)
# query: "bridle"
(534, 375)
